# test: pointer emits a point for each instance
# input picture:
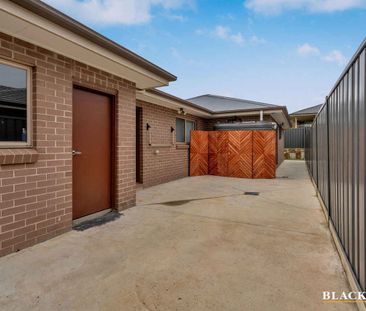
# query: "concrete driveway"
(194, 244)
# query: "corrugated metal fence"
(335, 156)
(295, 138)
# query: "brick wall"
(171, 162)
(36, 198)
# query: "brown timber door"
(242, 153)
(264, 154)
(240, 163)
(199, 153)
(92, 152)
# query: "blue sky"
(285, 52)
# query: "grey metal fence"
(295, 138)
(335, 157)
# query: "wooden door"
(92, 152)
(240, 154)
(264, 154)
(139, 145)
(218, 153)
(198, 153)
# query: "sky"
(284, 52)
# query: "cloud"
(336, 56)
(222, 32)
(109, 12)
(200, 32)
(271, 7)
(178, 18)
(225, 33)
(257, 41)
(307, 50)
(238, 38)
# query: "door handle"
(75, 152)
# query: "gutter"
(60, 19)
(218, 114)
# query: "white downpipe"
(261, 115)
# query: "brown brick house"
(61, 66)
(162, 149)
(80, 122)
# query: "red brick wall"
(171, 162)
(36, 198)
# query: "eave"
(41, 25)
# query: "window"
(183, 130)
(14, 105)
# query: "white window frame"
(28, 143)
(185, 120)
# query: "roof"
(49, 13)
(310, 110)
(194, 106)
(216, 103)
(13, 95)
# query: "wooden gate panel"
(198, 153)
(240, 154)
(218, 153)
(264, 154)
(245, 154)
(212, 153)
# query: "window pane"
(13, 103)
(189, 127)
(179, 130)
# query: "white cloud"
(238, 38)
(225, 33)
(278, 6)
(200, 32)
(222, 32)
(307, 50)
(178, 18)
(256, 40)
(336, 56)
(115, 11)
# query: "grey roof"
(217, 103)
(13, 95)
(309, 110)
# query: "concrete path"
(194, 244)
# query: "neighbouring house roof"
(13, 95)
(307, 111)
(217, 103)
(242, 107)
(42, 25)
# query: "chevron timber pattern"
(218, 153)
(244, 154)
(264, 154)
(198, 153)
(240, 154)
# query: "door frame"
(139, 145)
(112, 95)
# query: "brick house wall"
(36, 184)
(171, 162)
